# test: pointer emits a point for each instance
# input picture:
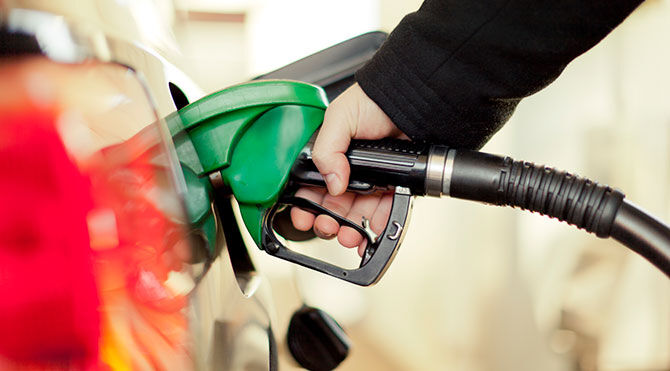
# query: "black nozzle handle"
(389, 162)
(567, 197)
(374, 164)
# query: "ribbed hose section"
(558, 194)
(567, 197)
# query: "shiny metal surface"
(435, 170)
(448, 170)
(398, 231)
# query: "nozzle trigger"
(379, 252)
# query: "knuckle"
(318, 156)
(336, 207)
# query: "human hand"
(352, 115)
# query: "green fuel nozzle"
(249, 138)
(249, 135)
(255, 140)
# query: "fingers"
(375, 207)
(304, 220)
(324, 226)
(364, 206)
(379, 218)
(382, 213)
(327, 227)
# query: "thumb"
(331, 145)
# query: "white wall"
(281, 32)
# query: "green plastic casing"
(252, 134)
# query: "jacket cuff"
(397, 90)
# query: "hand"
(352, 115)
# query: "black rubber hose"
(581, 202)
(502, 181)
(643, 234)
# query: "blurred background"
(477, 287)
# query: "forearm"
(454, 71)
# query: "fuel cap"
(316, 340)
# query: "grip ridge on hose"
(578, 201)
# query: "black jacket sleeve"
(454, 71)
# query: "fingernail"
(334, 184)
(325, 236)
